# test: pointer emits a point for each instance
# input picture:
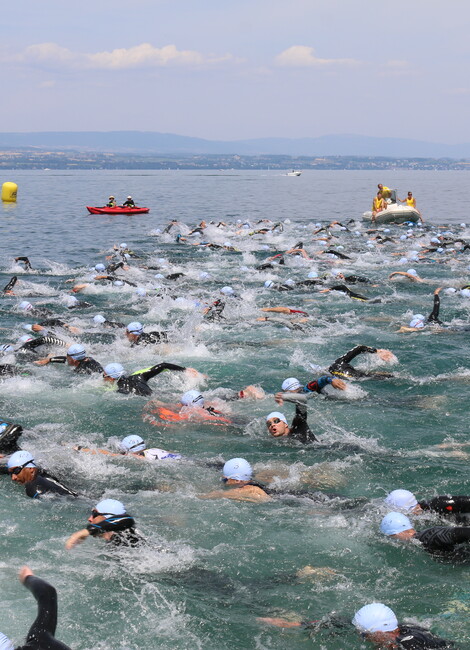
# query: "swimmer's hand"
(76, 538)
(279, 622)
(37, 328)
(192, 372)
(339, 384)
(73, 330)
(437, 291)
(24, 573)
(79, 287)
(278, 398)
(43, 362)
(386, 355)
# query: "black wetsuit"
(9, 434)
(299, 428)
(342, 367)
(8, 287)
(42, 631)
(149, 338)
(137, 382)
(344, 289)
(47, 339)
(26, 262)
(111, 268)
(412, 637)
(9, 370)
(123, 527)
(215, 311)
(443, 539)
(81, 304)
(86, 366)
(434, 315)
(44, 483)
(342, 256)
(449, 506)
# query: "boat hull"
(394, 214)
(117, 210)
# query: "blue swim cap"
(77, 352)
(5, 643)
(132, 443)
(403, 499)
(99, 319)
(100, 267)
(394, 523)
(375, 617)
(110, 507)
(192, 397)
(238, 469)
(135, 328)
(114, 370)
(21, 458)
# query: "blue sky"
(233, 69)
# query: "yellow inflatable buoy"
(9, 192)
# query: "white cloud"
(139, 56)
(302, 56)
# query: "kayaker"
(111, 202)
(129, 203)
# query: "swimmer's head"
(465, 293)
(237, 469)
(402, 500)
(135, 328)
(192, 398)
(25, 339)
(71, 301)
(291, 384)
(109, 508)
(375, 617)
(5, 643)
(77, 352)
(203, 275)
(100, 268)
(277, 424)
(227, 291)
(99, 319)
(268, 284)
(6, 348)
(312, 274)
(123, 245)
(412, 272)
(118, 283)
(25, 305)
(20, 465)
(113, 371)
(417, 321)
(132, 444)
(395, 523)
(141, 292)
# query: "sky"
(238, 69)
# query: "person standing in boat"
(378, 205)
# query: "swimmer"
(110, 521)
(41, 635)
(293, 385)
(26, 262)
(342, 288)
(438, 539)
(418, 322)
(378, 624)
(448, 506)
(134, 446)
(237, 475)
(8, 288)
(99, 319)
(136, 335)
(136, 383)
(23, 469)
(414, 277)
(77, 358)
(299, 429)
(343, 368)
(9, 434)
(214, 311)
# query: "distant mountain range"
(151, 142)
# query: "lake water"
(211, 567)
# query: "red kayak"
(117, 210)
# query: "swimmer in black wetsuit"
(342, 367)
(299, 429)
(110, 521)
(214, 312)
(77, 358)
(42, 631)
(26, 262)
(23, 469)
(8, 288)
(137, 382)
(344, 289)
(9, 434)
(136, 335)
(456, 506)
(439, 540)
(377, 623)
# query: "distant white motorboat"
(394, 213)
(293, 173)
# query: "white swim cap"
(135, 328)
(118, 283)
(450, 290)
(100, 267)
(132, 443)
(25, 305)
(268, 284)
(5, 643)
(312, 274)
(192, 397)
(99, 319)
(77, 352)
(412, 272)
(394, 523)
(238, 469)
(403, 237)
(291, 384)
(435, 240)
(110, 507)
(203, 275)
(417, 321)
(6, 348)
(21, 458)
(140, 291)
(375, 618)
(402, 499)
(27, 326)
(114, 370)
(159, 276)
(25, 338)
(289, 282)
(277, 414)
(465, 293)
(71, 301)
(227, 243)
(123, 245)
(227, 291)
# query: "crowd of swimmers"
(109, 519)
